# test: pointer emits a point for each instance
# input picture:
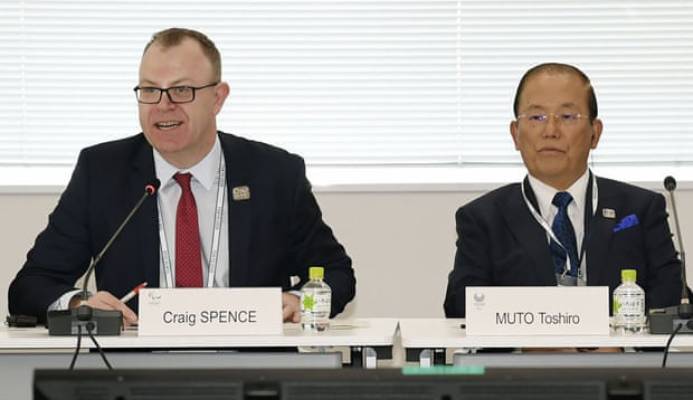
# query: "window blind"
(352, 82)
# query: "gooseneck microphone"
(100, 322)
(675, 319)
(149, 190)
(685, 310)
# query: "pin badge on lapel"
(608, 213)
(240, 193)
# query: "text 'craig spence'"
(211, 317)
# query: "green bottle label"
(308, 302)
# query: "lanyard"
(216, 233)
(544, 224)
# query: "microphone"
(668, 319)
(101, 322)
(670, 186)
(149, 190)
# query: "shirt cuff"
(63, 302)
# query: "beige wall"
(402, 243)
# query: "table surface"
(356, 332)
(414, 332)
(447, 333)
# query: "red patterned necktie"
(188, 256)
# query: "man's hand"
(105, 301)
(291, 307)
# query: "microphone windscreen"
(669, 183)
(152, 186)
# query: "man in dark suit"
(233, 212)
(562, 225)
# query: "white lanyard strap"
(544, 224)
(218, 214)
(216, 233)
(163, 246)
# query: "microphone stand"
(85, 318)
(674, 319)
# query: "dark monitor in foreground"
(452, 383)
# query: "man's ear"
(515, 132)
(221, 92)
(596, 133)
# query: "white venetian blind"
(638, 54)
(352, 82)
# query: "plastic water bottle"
(629, 304)
(316, 302)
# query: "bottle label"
(629, 305)
(315, 303)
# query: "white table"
(24, 349)
(426, 341)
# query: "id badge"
(566, 280)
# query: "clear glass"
(540, 119)
(316, 304)
(629, 309)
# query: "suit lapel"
(147, 224)
(240, 210)
(601, 234)
(529, 233)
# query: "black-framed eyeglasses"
(176, 94)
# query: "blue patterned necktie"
(565, 233)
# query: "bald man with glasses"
(562, 225)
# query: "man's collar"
(204, 171)
(545, 193)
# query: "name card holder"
(537, 310)
(210, 311)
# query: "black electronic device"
(84, 318)
(412, 383)
(675, 318)
(21, 321)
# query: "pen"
(133, 292)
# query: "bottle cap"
(316, 272)
(628, 275)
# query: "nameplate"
(537, 310)
(210, 311)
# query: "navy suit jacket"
(275, 234)
(500, 244)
